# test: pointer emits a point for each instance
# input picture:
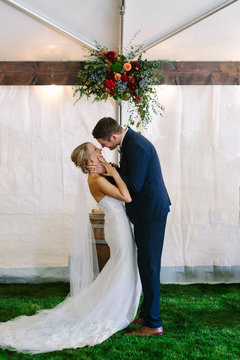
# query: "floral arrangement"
(111, 74)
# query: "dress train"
(106, 306)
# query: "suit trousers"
(149, 240)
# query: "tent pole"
(184, 27)
(122, 13)
(121, 28)
(49, 23)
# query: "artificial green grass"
(201, 322)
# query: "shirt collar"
(123, 138)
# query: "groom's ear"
(113, 137)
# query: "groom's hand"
(97, 168)
(100, 168)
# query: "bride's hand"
(110, 169)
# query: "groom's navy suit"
(140, 169)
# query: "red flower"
(124, 77)
(135, 65)
(111, 75)
(110, 55)
(131, 83)
(110, 84)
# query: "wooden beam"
(201, 73)
(65, 72)
(39, 72)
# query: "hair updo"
(80, 156)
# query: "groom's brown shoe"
(145, 330)
(137, 321)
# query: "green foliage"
(111, 74)
(201, 322)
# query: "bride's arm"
(103, 186)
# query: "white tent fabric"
(215, 38)
(38, 180)
(197, 141)
(199, 145)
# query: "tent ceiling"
(25, 38)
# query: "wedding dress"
(101, 309)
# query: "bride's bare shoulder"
(95, 180)
(95, 184)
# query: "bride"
(109, 303)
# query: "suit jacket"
(141, 171)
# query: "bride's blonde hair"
(80, 156)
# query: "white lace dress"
(106, 306)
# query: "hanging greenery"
(108, 73)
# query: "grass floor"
(200, 322)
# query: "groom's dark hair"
(105, 128)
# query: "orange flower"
(127, 66)
(117, 76)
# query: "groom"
(140, 169)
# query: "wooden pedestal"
(103, 251)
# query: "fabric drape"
(197, 140)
